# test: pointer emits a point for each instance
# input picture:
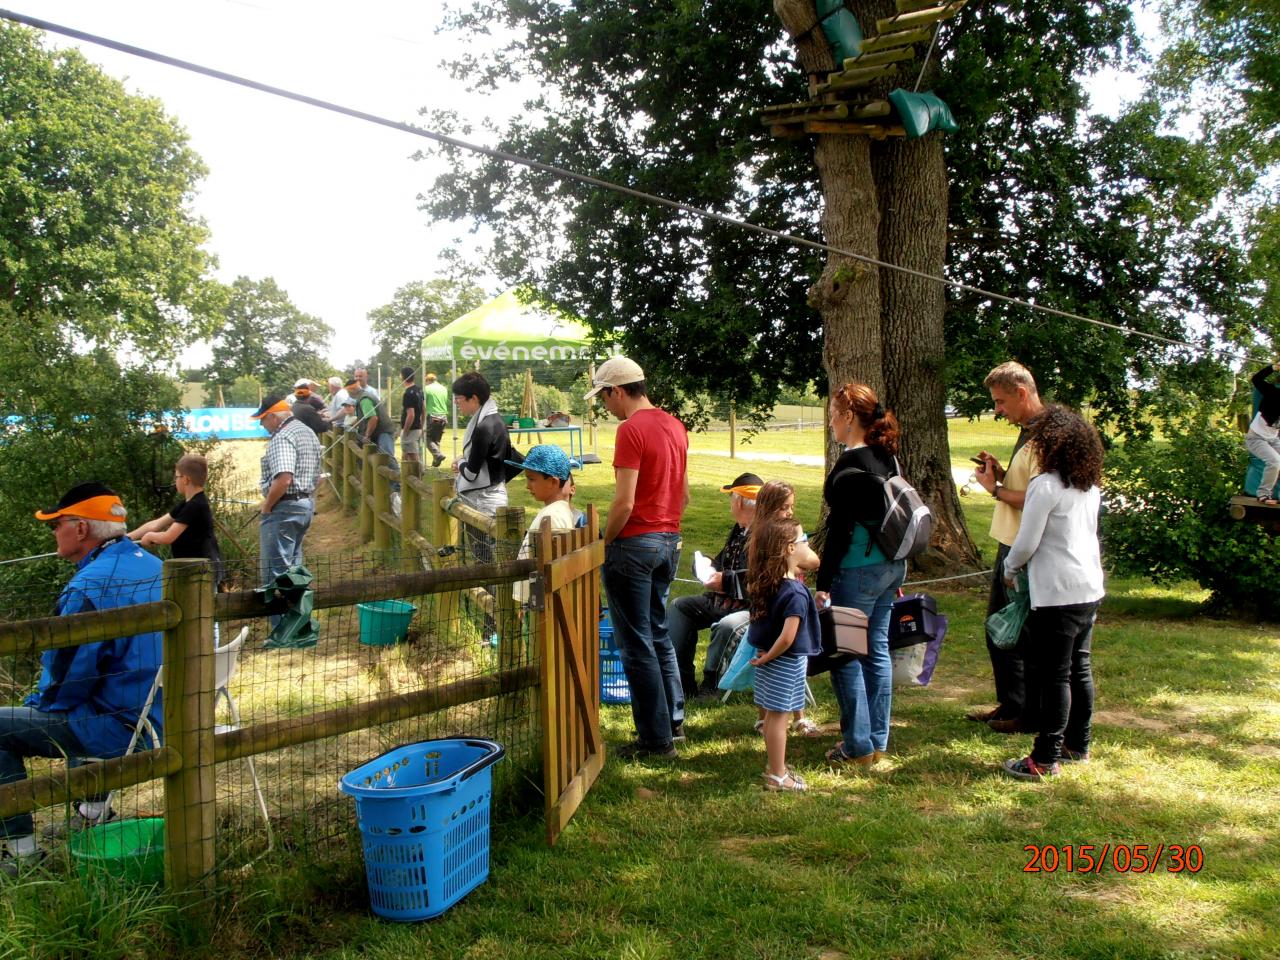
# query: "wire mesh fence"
(382, 657)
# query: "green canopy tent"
(507, 329)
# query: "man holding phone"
(1014, 393)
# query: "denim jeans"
(27, 732)
(685, 617)
(1007, 667)
(280, 536)
(387, 444)
(864, 685)
(637, 577)
(1060, 678)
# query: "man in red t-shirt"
(642, 551)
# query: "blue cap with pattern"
(549, 459)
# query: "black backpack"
(908, 522)
(509, 472)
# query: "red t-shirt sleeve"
(627, 447)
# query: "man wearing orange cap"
(290, 472)
(89, 696)
(726, 592)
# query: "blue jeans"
(864, 685)
(637, 577)
(386, 442)
(27, 732)
(280, 536)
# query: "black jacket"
(731, 561)
(1270, 406)
(852, 498)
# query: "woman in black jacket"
(855, 572)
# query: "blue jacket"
(102, 686)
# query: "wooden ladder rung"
(875, 59)
(910, 21)
(889, 41)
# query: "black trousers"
(1057, 644)
(1006, 665)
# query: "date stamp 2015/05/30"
(1116, 857)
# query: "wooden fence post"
(508, 535)
(349, 502)
(368, 477)
(444, 533)
(189, 792)
(381, 500)
(410, 514)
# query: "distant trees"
(416, 310)
(266, 337)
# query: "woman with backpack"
(855, 572)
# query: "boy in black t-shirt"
(188, 527)
(412, 418)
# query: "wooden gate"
(568, 585)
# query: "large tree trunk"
(911, 181)
(882, 327)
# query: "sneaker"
(758, 726)
(639, 750)
(395, 503)
(1074, 756)
(837, 757)
(1028, 769)
(437, 460)
(677, 732)
(75, 823)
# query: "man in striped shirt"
(290, 472)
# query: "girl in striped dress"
(784, 628)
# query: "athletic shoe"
(1074, 756)
(1028, 769)
(982, 714)
(677, 732)
(437, 460)
(18, 867)
(1009, 725)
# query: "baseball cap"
(744, 485)
(614, 372)
(549, 459)
(272, 404)
(91, 500)
(304, 382)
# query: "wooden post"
(349, 464)
(733, 430)
(508, 535)
(368, 479)
(444, 533)
(189, 792)
(381, 499)
(410, 514)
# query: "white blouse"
(1058, 543)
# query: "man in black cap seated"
(89, 696)
(726, 592)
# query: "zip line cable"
(566, 174)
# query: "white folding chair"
(226, 661)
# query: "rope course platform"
(842, 101)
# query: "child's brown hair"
(767, 561)
(194, 467)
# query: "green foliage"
(510, 392)
(416, 310)
(1114, 219)
(1167, 518)
(95, 185)
(268, 338)
(246, 391)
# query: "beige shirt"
(1006, 519)
(560, 512)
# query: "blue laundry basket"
(423, 813)
(613, 680)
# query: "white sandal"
(804, 727)
(788, 781)
(758, 726)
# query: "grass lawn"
(924, 857)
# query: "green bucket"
(527, 422)
(127, 849)
(384, 621)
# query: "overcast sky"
(324, 204)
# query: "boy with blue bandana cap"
(546, 473)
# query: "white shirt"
(1263, 429)
(335, 405)
(1058, 543)
(560, 512)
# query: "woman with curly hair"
(855, 572)
(1057, 543)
